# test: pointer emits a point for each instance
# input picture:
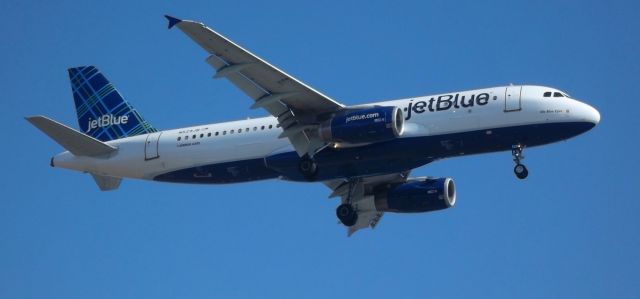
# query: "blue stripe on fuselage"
(379, 158)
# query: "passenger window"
(262, 128)
(186, 137)
(209, 134)
(247, 130)
(179, 138)
(239, 130)
(216, 133)
(547, 94)
(201, 135)
(278, 126)
(224, 132)
(194, 136)
(255, 128)
(231, 132)
(270, 126)
(557, 95)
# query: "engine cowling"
(420, 195)
(366, 125)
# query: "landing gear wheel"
(308, 167)
(521, 171)
(347, 215)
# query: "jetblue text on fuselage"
(446, 102)
(105, 121)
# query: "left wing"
(360, 193)
(298, 107)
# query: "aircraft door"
(512, 98)
(151, 146)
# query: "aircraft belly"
(407, 153)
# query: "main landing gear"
(520, 170)
(346, 212)
(307, 166)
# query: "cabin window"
(216, 133)
(547, 94)
(224, 132)
(209, 134)
(194, 136)
(247, 130)
(179, 138)
(202, 135)
(186, 137)
(270, 126)
(262, 128)
(239, 130)
(231, 132)
(255, 128)
(278, 126)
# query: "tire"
(347, 215)
(521, 171)
(308, 168)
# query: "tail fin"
(102, 112)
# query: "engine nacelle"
(421, 195)
(366, 125)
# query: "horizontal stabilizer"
(107, 183)
(75, 142)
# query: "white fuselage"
(150, 155)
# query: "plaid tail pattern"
(102, 112)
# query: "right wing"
(298, 107)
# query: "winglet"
(172, 21)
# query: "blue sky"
(570, 230)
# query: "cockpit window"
(557, 95)
(547, 94)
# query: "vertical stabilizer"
(102, 112)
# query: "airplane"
(363, 153)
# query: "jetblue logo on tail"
(105, 121)
(102, 111)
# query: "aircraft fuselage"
(436, 127)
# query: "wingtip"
(172, 21)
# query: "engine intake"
(420, 195)
(367, 125)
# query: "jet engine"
(416, 196)
(368, 125)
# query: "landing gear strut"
(520, 170)
(308, 167)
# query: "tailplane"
(102, 112)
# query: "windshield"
(555, 94)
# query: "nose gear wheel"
(520, 169)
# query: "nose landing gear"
(520, 170)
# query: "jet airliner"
(363, 153)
